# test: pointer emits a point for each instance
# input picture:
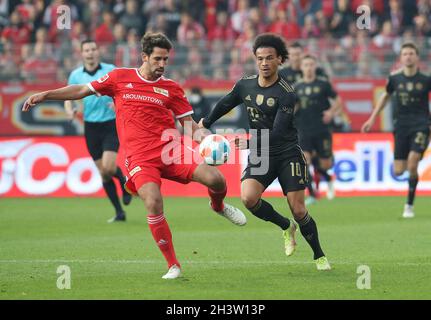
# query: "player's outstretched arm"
(223, 106)
(381, 103)
(192, 129)
(72, 92)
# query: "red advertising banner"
(62, 167)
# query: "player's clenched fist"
(33, 100)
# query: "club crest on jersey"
(419, 86)
(161, 91)
(270, 102)
(259, 99)
(103, 79)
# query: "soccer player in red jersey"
(144, 103)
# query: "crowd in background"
(213, 38)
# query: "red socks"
(162, 235)
(217, 198)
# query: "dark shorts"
(410, 141)
(321, 143)
(100, 137)
(291, 172)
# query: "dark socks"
(127, 198)
(309, 232)
(119, 175)
(265, 211)
(324, 174)
(310, 184)
(413, 182)
(111, 191)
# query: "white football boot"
(408, 211)
(173, 272)
(233, 214)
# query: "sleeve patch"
(103, 79)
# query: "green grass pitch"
(220, 260)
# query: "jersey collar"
(92, 73)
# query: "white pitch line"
(91, 261)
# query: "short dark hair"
(151, 40)
(410, 45)
(87, 41)
(309, 56)
(271, 40)
(296, 44)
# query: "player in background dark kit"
(411, 88)
(292, 72)
(270, 103)
(99, 126)
(318, 105)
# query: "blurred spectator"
(310, 29)
(219, 74)
(92, 15)
(255, 17)
(236, 69)
(342, 17)
(132, 17)
(119, 34)
(104, 34)
(39, 12)
(189, 30)
(288, 29)
(172, 16)
(27, 10)
(9, 63)
(385, 38)
(41, 67)
(222, 30)
(422, 26)
(17, 32)
(217, 55)
(367, 66)
(129, 54)
(397, 17)
(240, 16)
(245, 41)
(50, 19)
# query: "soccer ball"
(214, 149)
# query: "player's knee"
(249, 201)
(106, 173)
(153, 205)
(298, 210)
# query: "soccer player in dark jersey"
(410, 89)
(292, 72)
(318, 104)
(145, 105)
(270, 103)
